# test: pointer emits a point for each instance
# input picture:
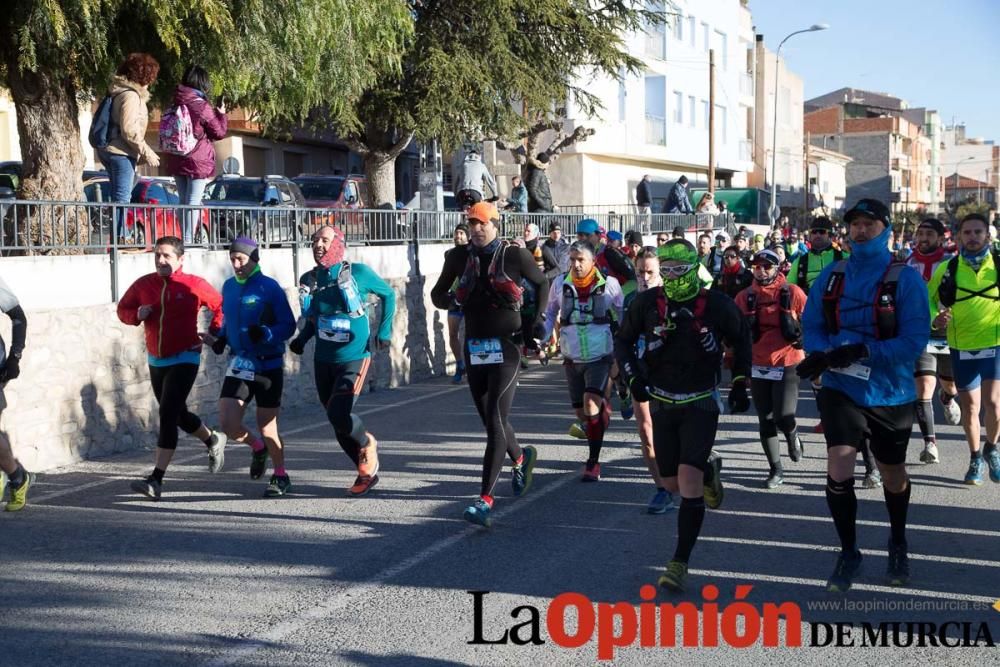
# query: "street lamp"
(773, 211)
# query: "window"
(704, 112)
(679, 28)
(705, 37)
(720, 123)
(656, 35)
(678, 107)
(656, 110)
(621, 96)
(721, 45)
(691, 111)
(691, 31)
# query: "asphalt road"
(215, 574)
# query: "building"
(962, 189)
(973, 158)
(827, 179)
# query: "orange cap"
(483, 212)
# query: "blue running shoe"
(459, 372)
(993, 461)
(627, 410)
(661, 503)
(479, 513)
(520, 477)
(974, 476)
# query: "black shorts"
(845, 422)
(683, 434)
(249, 391)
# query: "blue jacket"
(891, 361)
(260, 300)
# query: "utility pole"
(805, 186)
(711, 121)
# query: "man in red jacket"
(167, 304)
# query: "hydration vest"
(884, 307)
(790, 329)
(571, 305)
(354, 306)
(503, 292)
(948, 290)
(802, 277)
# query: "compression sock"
(280, 471)
(897, 504)
(843, 504)
(925, 417)
(258, 444)
(158, 474)
(689, 519)
(594, 426)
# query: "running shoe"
(258, 464)
(576, 431)
(627, 410)
(479, 513)
(951, 409)
(362, 485)
(278, 486)
(19, 494)
(714, 492)
(775, 479)
(217, 452)
(674, 576)
(368, 458)
(993, 461)
(459, 372)
(977, 467)
(520, 476)
(930, 453)
(661, 503)
(591, 472)
(898, 572)
(872, 480)
(795, 449)
(148, 487)
(844, 572)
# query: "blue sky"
(943, 56)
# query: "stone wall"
(84, 388)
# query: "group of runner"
(651, 325)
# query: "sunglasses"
(822, 232)
(676, 271)
(731, 256)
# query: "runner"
(866, 322)
(337, 311)
(935, 362)
(821, 254)
(167, 303)
(454, 314)
(965, 299)
(10, 468)
(489, 292)
(588, 306)
(682, 327)
(257, 321)
(735, 276)
(774, 309)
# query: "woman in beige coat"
(127, 133)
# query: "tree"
(471, 63)
(279, 58)
(524, 149)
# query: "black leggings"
(492, 387)
(171, 386)
(776, 401)
(338, 386)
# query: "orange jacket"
(772, 349)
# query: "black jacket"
(539, 193)
(642, 197)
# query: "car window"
(237, 190)
(362, 192)
(351, 192)
(271, 192)
(321, 188)
(286, 194)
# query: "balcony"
(656, 130)
(746, 84)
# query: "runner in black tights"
(489, 273)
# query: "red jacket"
(176, 302)
(209, 125)
(772, 349)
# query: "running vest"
(349, 292)
(790, 328)
(884, 307)
(502, 291)
(573, 311)
(948, 291)
(803, 272)
(585, 331)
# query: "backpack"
(618, 264)
(177, 131)
(103, 128)
(504, 292)
(597, 313)
(884, 306)
(948, 291)
(802, 276)
(791, 330)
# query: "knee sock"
(158, 474)
(257, 444)
(280, 471)
(689, 519)
(594, 426)
(772, 450)
(897, 504)
(843, 506)
(925, 417)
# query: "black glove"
(298, 345)
(813, 365)
(256, 333)
(791, 330)
(219, 346)
(640, 391)
(738, 399)
(11, 369)
(845, 355)
(538, 331)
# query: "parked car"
(437, 225)
(238, 202)
(338, 199)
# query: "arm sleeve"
(128, 305)
(19, 328)
(736, 333)
(815, 337)
(554, 307)
(374, 284)
(534, 275)
(913, 323)
(449, 272)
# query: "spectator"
(677, 201)
(129, 118)
(555, 252)
(633, 243)
(518, 200)
(615, 239)
(539, 192)
(192, 172)
(707, 204)
(661, 239)
(472, 174)
(678, 232)
(643, 202)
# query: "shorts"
(845, 422)
(970, 373)
(590, 377)
(245, 391)
(933, 364)
(340, 378)
(456, 313)
(683, 434)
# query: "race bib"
(858, 371)
(767, 372)
(241, 369)
(937, 346)
(968, 355)
(485, 351)
(334, 328)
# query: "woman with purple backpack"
(193, 170)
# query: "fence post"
(415, 242)
(114, 254)
(295, 246)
